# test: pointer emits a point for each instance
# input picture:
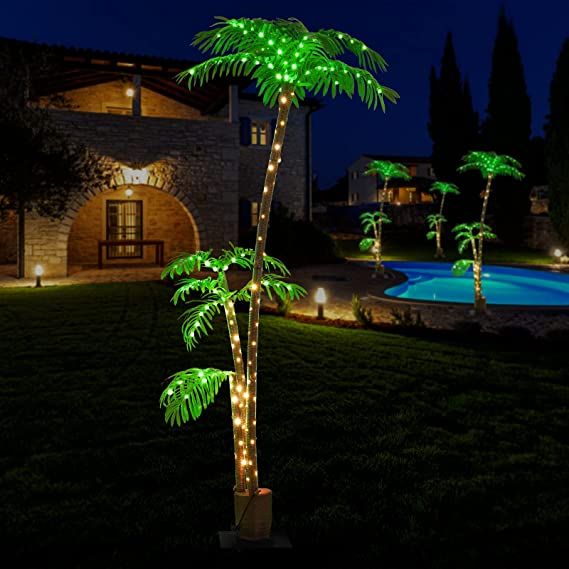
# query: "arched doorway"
(130, 212)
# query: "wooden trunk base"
(254, 514)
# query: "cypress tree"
(557, 146)
(507, 128)
(453, 127)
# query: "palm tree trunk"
(285, 100)
(480, 301)
(237, 393)
(440, 253)
(378, 247)
(21, 240)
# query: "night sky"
(408, 33)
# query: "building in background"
(190, 165)
(364, 189)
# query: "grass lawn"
(381, 450)
(396, 249)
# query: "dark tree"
(557, 146)
(507, 128)
(40, 169)
(453, 127)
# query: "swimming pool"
(501, 285)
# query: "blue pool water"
(501, 285)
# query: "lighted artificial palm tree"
(385, 171)
(288, 62)
(470, 234)
(490, 165)
(436, 220)
(190, 391)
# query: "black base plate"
(230, 540)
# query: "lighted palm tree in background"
(490, 165)
(385, 171)
(436, 220)
(288, 62)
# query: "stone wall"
(199, 165)
(163, 217)
(8, 239)
(112, 97)
(291, 180)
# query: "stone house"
(190, 165)
(368, 189)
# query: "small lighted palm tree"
(436, 220)
(490, 165)
(288, 62)
(385, 171)
(470, 235)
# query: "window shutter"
(245, 131)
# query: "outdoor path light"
(320, 298)
(38, 272)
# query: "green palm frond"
(444, 188)
(466, 233)
(461, 266)
(276, 284)
(387, 170)
(186, 263)
(190, 392)
(434, 218)
(284, 54)
(431, 234)
(366, 244)
(370, 219)
(198, 320)
(491, 164)
(203, 286)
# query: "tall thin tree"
(507, 127)
(557, 146)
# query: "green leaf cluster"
(491, 164)
(386, 170)
(370, 220)
(190, 392)
(444, 188)
(283, 55)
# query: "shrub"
(407, 318)
(283, 306)
(558, 336)
(362, 314)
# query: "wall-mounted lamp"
(39, 273)
(135, 176)
(558, 253)
(130, 92)
(128, 192)
(320, 298)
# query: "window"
(354, 175)
(254, 214)
(259, 133)
(124, 222)
(355, 197)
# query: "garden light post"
(320, 298)
(39, 273)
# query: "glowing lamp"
(320, 298)
(128, 192)
(130, 92)
(558, 253)
(39, 273)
